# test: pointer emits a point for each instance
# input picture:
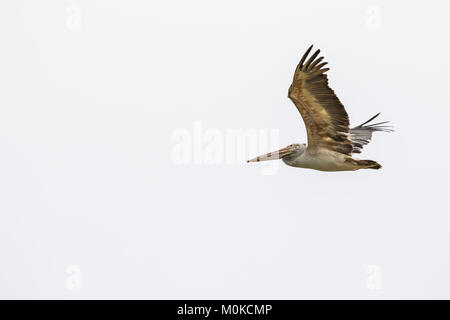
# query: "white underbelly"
(323, 160)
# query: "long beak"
(274, 155)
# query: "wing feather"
(362, 134)
(325, 118)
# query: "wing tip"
(305, 55)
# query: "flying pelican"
(331, 142)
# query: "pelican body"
(331, 143)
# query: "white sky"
(94, 205)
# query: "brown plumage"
(331, 142)
(325, 118)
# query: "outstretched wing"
(362, 134)
(325, 118)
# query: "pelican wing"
(362, 134)
(325, 118)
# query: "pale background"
(93, 204)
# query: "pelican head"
(287, 154)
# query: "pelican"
(331, 142)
